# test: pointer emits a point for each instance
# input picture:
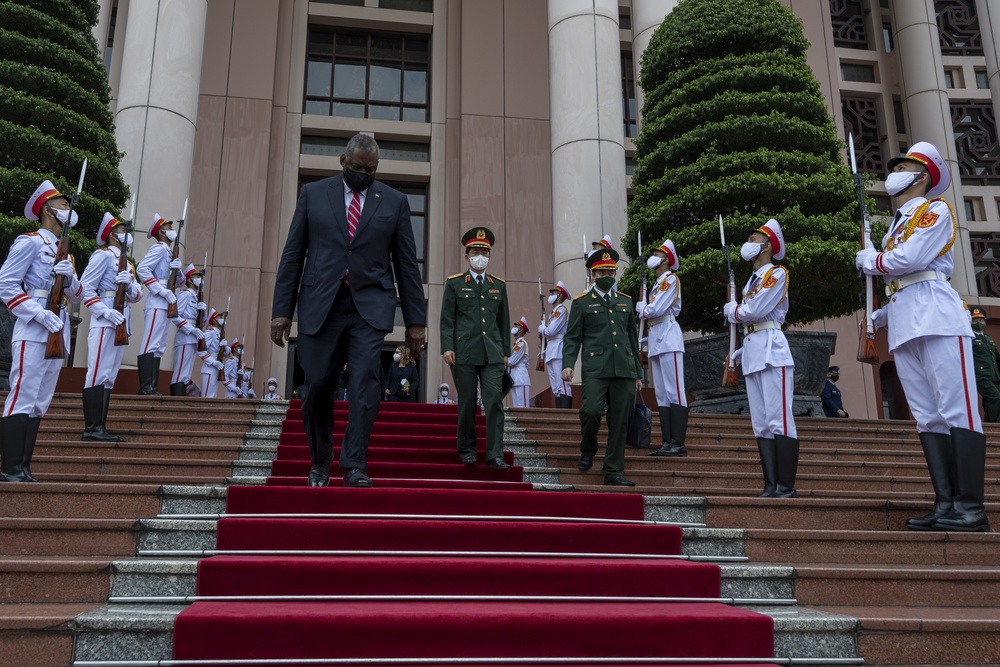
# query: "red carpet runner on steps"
(493, 536)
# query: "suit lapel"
(372, 200)
(336, 194)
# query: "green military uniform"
(475, 325)
(987, 363)
(603, 332)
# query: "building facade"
(515, 114)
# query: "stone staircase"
(920, 598)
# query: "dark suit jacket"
(317, 254)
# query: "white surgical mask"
(221, 321)
(514, 330)
(654, 262)
(444, 392)
(196, 281)
(272, 388)
(171, 235)
(479, 262)
(899, 181)
(124, 239)
(397, 356)
(750, 250)
(552, 298)
(63, 216)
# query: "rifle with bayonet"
(540, 364)
(175, 273)
(200, 321)
(222, 335)
(55, 345)
(867, 349)
(121, 330)
(642, 297)
(730, 378)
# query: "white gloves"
(175, 263)
(64, 268)
(50, 321)
(168, 296)
(199, 334)
(113, 316)
(123, 278)
(865, 259)
(639, 307)
(223, 344)
(202, 306)
(879, 318)
(738, 356)
(729, 309)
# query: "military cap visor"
(976, 312)
(478, 237)
(606, 259)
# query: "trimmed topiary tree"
(54, 113)
(734, 122)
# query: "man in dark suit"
(356, 233)
(985, 358)
(833, 404)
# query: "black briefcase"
(640, 424)
(506, 384)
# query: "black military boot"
(788, 463)
(941, 466)
(145, 364)
(768, 466)
(104, 414)
(14, 431)
(156, 375)
(664, 414)
(678, 428)
(29, 447)
(93, 415)
(967, 514)
(178, 389)
(564, 402)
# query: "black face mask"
(358, 181)
(834, 377)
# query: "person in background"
(272, 391)
(517, 364)
(443, 391)
(400, 385)
(554, 330)
(985, 358)
(833, 405)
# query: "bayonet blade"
(184, 215)
(850, 146)
(83, 172)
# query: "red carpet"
(425, 500)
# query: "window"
(109, 47)
(351, 3)
(853, 72)
(982, 81)
(974, 209)
(958, 28)
(986, 260)
(849, 24)
(897, 112)
(388, 150)
(629, 107)
(861, 120)
(624, 19)
(953, 77)
(360, 75)
(887, 37)
(975, 129)
(408, 5)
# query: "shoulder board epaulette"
(30, 234)
(496, 278)
(580, 296)
(457, 275)
(624, 295)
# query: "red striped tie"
(354, 215)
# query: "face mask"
(64, 216)
(552, 298)
(654, 262)
(397, 357)
(750, 250)
(605, 283)
(899, 181)
(514, 330)
(272, 388)
(358, 181)
(444, 392)
(221, 321)
(171, 236)
(124, 239)
(196, 282)
(978, 326)
(479, 262)
(834, 377)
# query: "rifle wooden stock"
(200, 321)
(730, 377)
(867, 349)
(221, 377)
(121, 330)
(55, 345)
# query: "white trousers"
(520, 395)
(154, 336)
(559, 388)
(103, 358)
(667, 373)
(939, 381)
(32, 380)
(209, 384)
(770, 393)
(184, 355)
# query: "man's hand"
(281, 327)
(199, 334)
(638, 384)
(168, 296)
(416, 335)
(567, 374)
(113, 316)
(841, 413)
(175, 264)
(449, 357)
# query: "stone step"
(34, 537)
(54, 580)
(38, 635)
(75, 500)
(132, 449)
(175, 435)
(117, 465)
(843, 584)
(179, 480)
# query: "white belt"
(759, 326)
(660, 320)
(39, 294)
(553, 338)
(110, 294)
(163, 282)
(920, 277)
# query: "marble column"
(922, 87)
(989, 25)
(587, 136)
(647, 15)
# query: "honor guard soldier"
(517, 365)
(243, 382)
(930, 338)
(767, 361)
(443, 391)
(25, 279)
(602, 331)
(231, 369)
(475, 337)
(187, 336)
(985, 357)
(272, 391)
(554, 332)
(604, 244)
(210, 364)
(154, 271)
(666, 349)
(100, 284)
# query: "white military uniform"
(517, 364)
(185, 340)
(271, 395)
(554, 332)
(443, 400)
(231, 370)
(153, 271)
(930, 332)
(104, 358)
(210, 363)
(766, 359)
(665, 342)
(25, 278)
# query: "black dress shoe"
(319, 476)
(498, 463)
(618, 480)
(469, 460)
(356, 477)
(585, 462)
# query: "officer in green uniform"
(984, 358)
(602, 323)
(475, 337)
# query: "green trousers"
(620, 396)
(489, 377)
(990, 392)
